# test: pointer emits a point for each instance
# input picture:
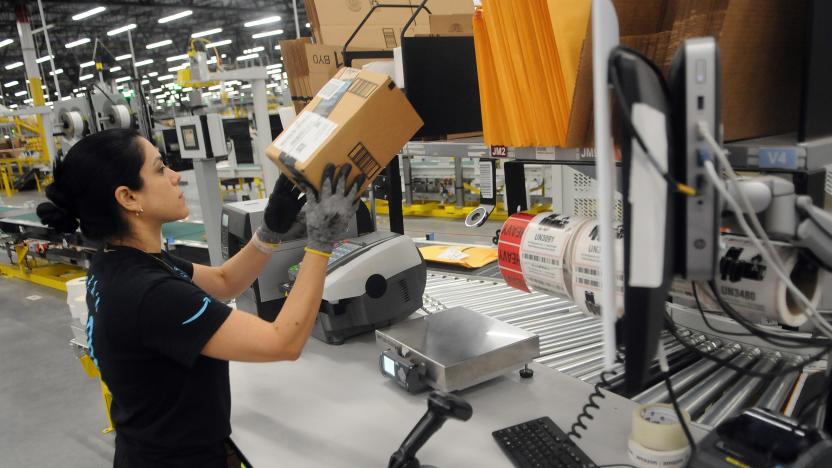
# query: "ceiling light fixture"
(56, 72)
(10, 84)
(44, 59)
(14, 65)
(6, 42)
(115, 69)
(152, 74)
(253, 50)
(273, 32)
(76, 43)
(177, 57)
(123, 57)
(155, 45)
(165, 77)
(247, 57)
(21, 93)
(122, 29)
(175, 16)
(122, 79)
(142, 63)
(218, 43)
(207, 32)
(262, 21)
(88, 13)
(85, 77)
(87, 64)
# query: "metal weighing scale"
(452, 350)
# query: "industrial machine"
(363, 289)
(201, 136)
(240, 221)
(99, 110)
(761, 438)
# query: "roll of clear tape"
(657, 438)
(748, 284)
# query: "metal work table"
(333, 408)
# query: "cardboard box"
(333, 21)
(760, 86)
(359, 117)
(308, 67)
(451, 25)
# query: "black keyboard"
(540, 443)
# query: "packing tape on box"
(586, 269)
(751, 287)
(657, 438)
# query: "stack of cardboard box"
(761, 54)
(309, 66)
(333, 21)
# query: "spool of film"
(585, 266)
(119, 115)
(72, 123)
(657, 438)
(545, 251)
(750, 286)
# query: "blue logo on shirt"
(205, 302)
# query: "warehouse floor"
(52, 414)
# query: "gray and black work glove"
(329, 210)
(282, 219)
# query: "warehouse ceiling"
(230, 16)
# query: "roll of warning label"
(545, 251)
(585, 266)
(747, 283)
(657, 438)
(508, 250)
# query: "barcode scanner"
(441, 406)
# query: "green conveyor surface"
(178, 230)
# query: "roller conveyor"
(571, 342)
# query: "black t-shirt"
(147, 326)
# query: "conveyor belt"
(571, 343)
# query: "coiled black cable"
(592, 403)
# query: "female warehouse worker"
(158, 329)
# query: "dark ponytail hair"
(83, 191)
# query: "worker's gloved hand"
(329, 210)
(283, 219)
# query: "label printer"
(372, 281)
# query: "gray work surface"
(333, 408)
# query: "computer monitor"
(644, 135)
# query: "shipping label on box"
(358, 117)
